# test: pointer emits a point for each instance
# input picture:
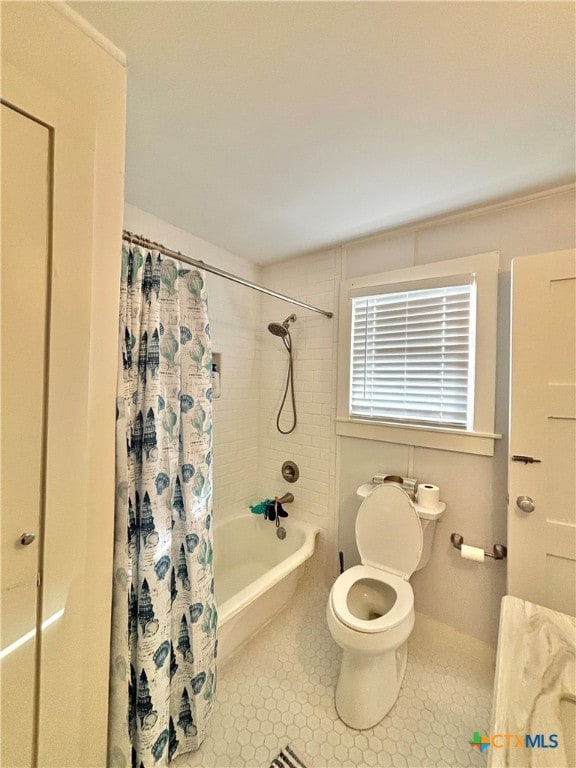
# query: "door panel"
(24, 272)
(542, 543)
(74, 82)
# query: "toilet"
(370, 609)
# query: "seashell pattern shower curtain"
(162, 677)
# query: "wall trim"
(468, 212)
(80, 22)
(419, 225)
(478, 443)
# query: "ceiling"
(276, 128)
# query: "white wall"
(463, 594)
(234, 313)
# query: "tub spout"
(288, 498)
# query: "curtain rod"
(146, 243)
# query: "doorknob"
(27, 538)
(525, 503)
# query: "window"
(421, 363)
(413, 356)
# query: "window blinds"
(412, 356)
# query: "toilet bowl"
(370, 609)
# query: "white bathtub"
(255, 573)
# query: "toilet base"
(368, 686)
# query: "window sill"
(480, 443)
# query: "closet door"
(25, 198)
(61, 461)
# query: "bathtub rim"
(231, 607)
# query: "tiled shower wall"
(234, 320)
(315, 280)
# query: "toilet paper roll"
(428, 495)
(472, 553)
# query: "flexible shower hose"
(289, 383)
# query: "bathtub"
(255, 573)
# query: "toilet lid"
(388, 531)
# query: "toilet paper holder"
(499, 551)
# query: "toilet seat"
(389, 539)
(389, 532)
(401, 609)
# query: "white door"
(24, 274)
(542, 493)
(74, 83)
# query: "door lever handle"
(526, 459)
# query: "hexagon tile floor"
(279, 689)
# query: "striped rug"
(287, 758)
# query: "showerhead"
(277, 329)
(281, 329)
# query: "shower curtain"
(162, 676)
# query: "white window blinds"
(412, 356)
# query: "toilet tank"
(428, 530)
(428, 520)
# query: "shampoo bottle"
(215, 381)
